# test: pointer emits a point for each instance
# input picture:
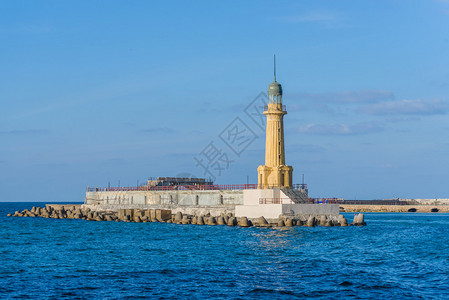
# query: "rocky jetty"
(166, 216)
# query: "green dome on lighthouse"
(275, 89)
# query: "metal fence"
(293, 201)
(183, 187)
(372, 202)
(175, 188)
(276, 201)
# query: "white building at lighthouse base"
(276, 202)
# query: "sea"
(396, 256)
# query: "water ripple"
(404, 256)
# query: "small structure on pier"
(178, 181)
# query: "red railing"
(374, 202)
(298, 201)
(176, 188)
(325, 200)
(275, 201)
(358, 202)
(183, 187)
(297, 186)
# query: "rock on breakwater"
(166, 216)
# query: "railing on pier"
(288, 201)
(331, 201)
(175, 188)
(324, 200)
(358, 202)
(183, 187)
(275, 201)
(296, 186)
(300, 186)
(373, 202)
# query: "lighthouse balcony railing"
(265, 108)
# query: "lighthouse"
(275, 174)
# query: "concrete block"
(243, 222)
(139, 213)
(130, 212)
(163, 214)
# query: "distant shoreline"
(417, 208)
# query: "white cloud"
(406, 107)
(342, 129)
(362, 96)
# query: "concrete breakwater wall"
(166, 198)
(436, 201)
(254, 203)
(192, 210)
(166, 216)
(393, 208)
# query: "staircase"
(297, 196)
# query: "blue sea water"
(401, 256)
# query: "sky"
(97, 93)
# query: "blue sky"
(93, 92)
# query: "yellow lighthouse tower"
(275, 174)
